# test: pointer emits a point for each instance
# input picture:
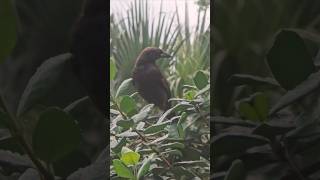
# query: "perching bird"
(148, 80)
(90, 48)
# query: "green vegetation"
(176, 147)
(265, 87)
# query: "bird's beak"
(165, 55)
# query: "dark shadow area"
(53, 85)
(265, 84)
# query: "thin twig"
(44, 174)
(292, 164)
(154, 150)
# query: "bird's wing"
(166, 86)
(156, 75)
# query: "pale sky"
(168, 6)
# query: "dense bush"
(145, 143)
(49, 129)
(265, 90)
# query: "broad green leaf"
(189, 95)
(143, 113)
(236, 171)
(200, 80)
(125, 88)
(30, 173)
(193, 163)
(247, 111)
(174, 152)
(8, 31)
(240, 79)
(122, 170)
(15, 159)
(182, 172)
(128, 133)
(127, 104)
(232, 121)
(179, 106)
(55, 135)
(202, 91)
(306, 131)
(125, 123)
(308, 86)
(42, 33)
(228, 144)
(96, 170)
(42, 81)
(145, 166)
(261, 105)
(113, 69)
(174, 145)
(118, 146)
(180, 129)
(289, 59)
(190, 154)
(272, 129)
(129, 157)
(156, 128)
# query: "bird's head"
(150, 55)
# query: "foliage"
(48, 127)
(243, 32)
(266, 121)
(169, 147)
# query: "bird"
(148, 79)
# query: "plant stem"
(292, 164)
(118, 108)
(14, 130)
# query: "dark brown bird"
(148, 79)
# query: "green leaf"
(8, 31)
(180, 129)
(113, 69)
(129, 157)
(236, 171)
(200, 80)
(261, 105)
(118, 146)
(227, 144)
(125, 88)
(156, 128)
(201, 163)
(174, 152)
(143, 113)
(43, 81)
(247, 111)
(189, 95)
(272, 129)
(174, 145)
(125, 123)
(55, 135)
(145, 166)
(127, 104)
(240, 79)
(289, 59)
(308, 86)
(180, 106)
(122, 170)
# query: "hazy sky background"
(169, 6)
